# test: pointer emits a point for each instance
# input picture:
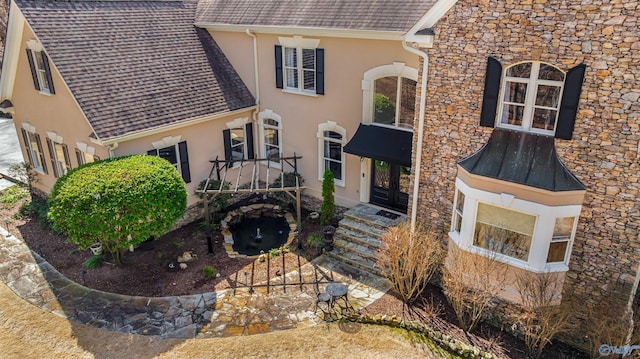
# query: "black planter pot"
(327, 234)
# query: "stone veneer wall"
(604, 152)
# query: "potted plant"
(96, 248)
(327, 234)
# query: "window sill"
(45, 93)
(531, 130)
(298, 92)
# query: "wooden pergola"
(221, 168)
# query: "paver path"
(214, 314)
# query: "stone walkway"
(229, 312)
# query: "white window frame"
(34, 153)
(239, 124)
(41, 73)
(87, 153)
(166, 142)
(542, 234)
(458, 213)
(530, 98)
(298, 44)
(332, 127)
(396, 69)
(262, 117)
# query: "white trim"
(299, 41)
(166, 142)
(542, 233)
(308, 31)
(268, 114)
(28, 127)
(15, 28)
(159, 129)
(435, 13)
(84, 147)
(365, 179)
(333, 127)
(53, 136)
(34, 45)
(237, 123)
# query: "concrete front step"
(354, 260)
(360, 227)
(369, 216)
(356, 249)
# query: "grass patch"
(13, 194)
(94, 262)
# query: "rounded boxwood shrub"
(118, 202)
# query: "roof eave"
(151, 131)
(306, 31)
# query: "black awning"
(381, 143)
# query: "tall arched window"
(270, 137)
(389, 95)
(331, 138)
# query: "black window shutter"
(492, 81)
(47, 69)
(320, 71)
(152, 152)
(27, 145)
(184, 161)
(32, 65)
(53, 158)
(79, 157)
(570, 100)
(67, 160)
(248, 135)
(226, 139)
(279, 75)
(42, 161)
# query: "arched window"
(531, 94)
(270, 137)
(331, 138)
(389, 95)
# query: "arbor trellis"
(221, 168)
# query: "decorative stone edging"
(443, 340)
(254, 211)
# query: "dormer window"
(531, 97)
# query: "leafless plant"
(543, 317)
(410, 259)
(470, 283)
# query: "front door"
(390, 185)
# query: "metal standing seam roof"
(136, 65)
(373, 15)
(524, 158)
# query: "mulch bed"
(144, 272)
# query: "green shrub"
(315, 240)
(38, 209)
(13, 194)
(94, 262)
(209, 272)
(328, 209)
(118, 202)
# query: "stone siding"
(604, 152)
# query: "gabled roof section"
(368, 15)
(523, 158)
(136, 65)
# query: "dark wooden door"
(390, 185)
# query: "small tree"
(328, 209)
(24, 173)
(409, 259)
(117, 202)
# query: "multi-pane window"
(238, 145)
(300, 69)
(531, 94)
(41, 72)
(59, 158)
(178, 156)
(394, 101)
(271, 139)
(85, 157)
(40, 69)
(458, 211)
(33, 146)
(333, 153)
(562, 232)
(504, 231)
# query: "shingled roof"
(373, 15)
(136, 65)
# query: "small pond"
(257, 227)
(259, 234)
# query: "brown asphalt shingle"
(373, 15)
(136, 65)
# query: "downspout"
(112, 148)
(257, 82)
(423, 102)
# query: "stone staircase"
(357, 239)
